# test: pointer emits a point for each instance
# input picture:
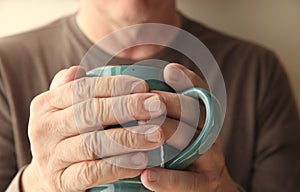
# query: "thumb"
(181, 78)
(66, 75)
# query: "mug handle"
(207, 135)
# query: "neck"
(96, 25)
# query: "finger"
(112, 142)
(177, 133)
(88, 174)
(181, 78)
(164, 180)
(182, 108)
(97, 113)
(92, 87)
(211, 161)
(66, 75)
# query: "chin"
(140, 13)
(135, 19)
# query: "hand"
(71, 149)
(207, 173)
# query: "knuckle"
(131, 105)
(111, 84)
(124, 108)
(81, 88)
(48, 125)
(124, 139)
(35, 104)
(105, 85)
(128, 139)
(112, 167)
(62, 123)
(39, 102)
(43, 129)
(36, 131)
(88, 147)
(54, 183)
(119, 109)
(86, 115)
(98, 104)
(126, 84)
(85, 177)
(193, 186)
(59, 183)
(106, 170)
(114, 170)
(135, 105)
(98, 111)
(116, 85)
(34, 134)
(103, 167)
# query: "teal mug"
(212, 125)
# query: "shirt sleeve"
(15, 185)
(8, 164)
(277, 151)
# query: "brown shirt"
(261, 132)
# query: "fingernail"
(142, 122)
(138, 87)
(154, 134)
(176, 74)
(153, 176)
(153, 104)
(138, 159)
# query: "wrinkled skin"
(68, 156)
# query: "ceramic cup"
(154, 77)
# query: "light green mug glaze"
(154, 77)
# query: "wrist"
(30, 180)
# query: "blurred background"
(274, 24)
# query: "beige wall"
(272, 23)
